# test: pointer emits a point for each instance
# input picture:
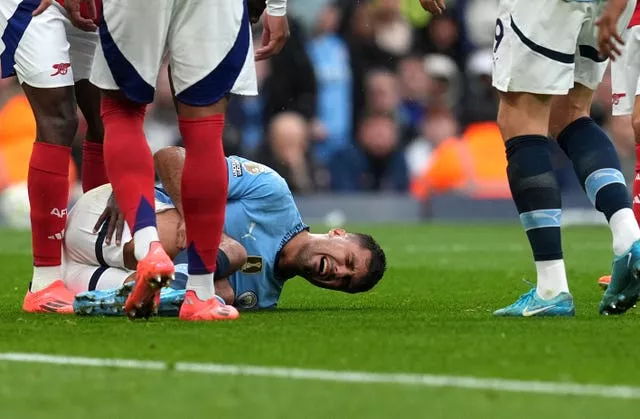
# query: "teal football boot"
(531, 305)
(624, 289)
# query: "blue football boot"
(111, 302)
(530, 304)
(624, 289)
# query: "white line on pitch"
(425, 380)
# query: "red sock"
(204, 190)
(48, 183)
(636, 186)
(128, 161)
(93, 172)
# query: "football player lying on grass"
(266, 243)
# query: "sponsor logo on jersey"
(60, 213)
(615, 98)
(254, 168)
(61, 69)
(247, 300)
(236, 168)
(253, 265)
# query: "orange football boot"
(56, 298)
(604, 281)
(195, 309)
(153, 273)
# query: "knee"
(58, 126)
(237, 255)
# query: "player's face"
(336, 261)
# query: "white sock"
(625, 231)
(552, 278)
(142, 240)
(202, 285)
(43, 276)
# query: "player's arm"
(169, 163)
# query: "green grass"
(431, 314)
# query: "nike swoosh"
(528, 313)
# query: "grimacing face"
(335, 261)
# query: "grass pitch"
(430, 315)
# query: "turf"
(431, 314)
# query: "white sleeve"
(276, 7)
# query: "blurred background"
(375, 111)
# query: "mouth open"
(323, 266)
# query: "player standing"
(211, 56)
(50, 56)
(625, 80)
(546, 67)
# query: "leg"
(596, 164)
(40, 60)
(127, 86)
(82, 48)
(93, 171)
(202, 82)
(523, 120)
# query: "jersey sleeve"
(256, 184)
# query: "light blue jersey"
(262, 216)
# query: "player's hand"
(86, 23)
(44, 5)
(609, 40)
(435, 7)
(274, 35)
(115, 219)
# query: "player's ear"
(337, 232)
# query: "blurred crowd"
(369, 95)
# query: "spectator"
(438, 127)
(444, 89)
(474, 165)
(332, 129)
(480, 101)
(286, 151)
(376, 163)
(392, 30)
(414, 86)
(442, 36)
(383, 97)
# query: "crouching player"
(265, 243)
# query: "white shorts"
(88, 263)
(208, 43)
(625, 74)
(546, 46)
(45, 51)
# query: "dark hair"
(377, 264)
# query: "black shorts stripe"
(549, 53)
(102, 235)
(93, 282)
(587, 51)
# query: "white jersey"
(208, 43)
(44, 51)
(85, 256)
(545, 46)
